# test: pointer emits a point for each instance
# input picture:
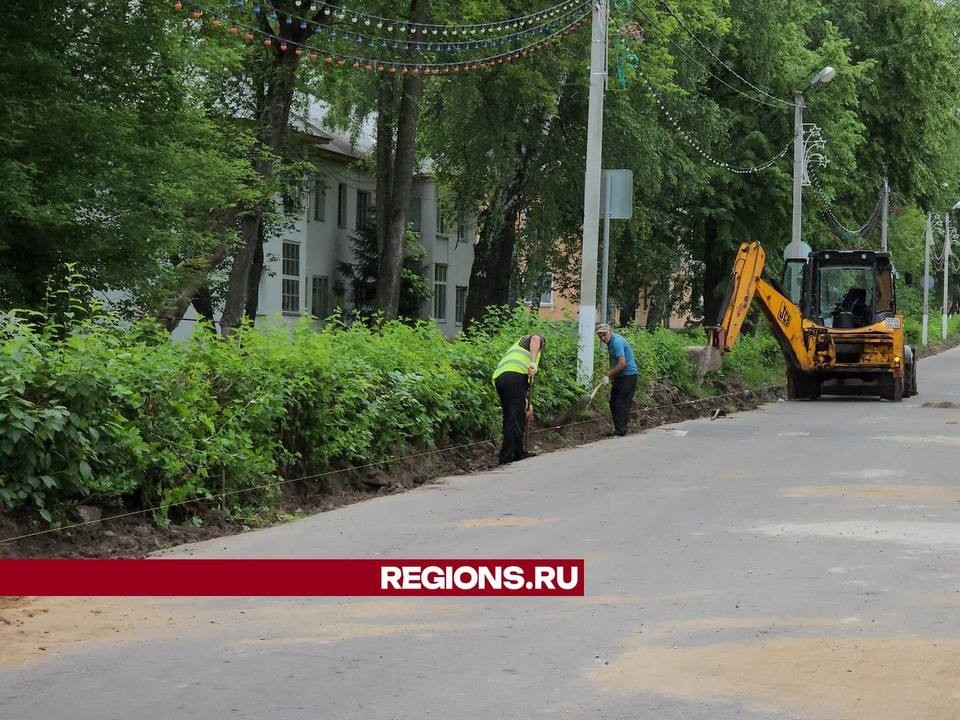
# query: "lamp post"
(928, 243)
(799, 155)
(946, 269)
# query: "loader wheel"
(891, 388)
(801, 386)
(910, 373)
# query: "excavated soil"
(137, 535)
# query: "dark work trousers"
(621, 399)
(512, 389)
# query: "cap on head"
(603, 328)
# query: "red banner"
(289, 577)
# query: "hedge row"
(126, 418)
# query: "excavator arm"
(748, 281)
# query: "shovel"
(574, 410)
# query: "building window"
(293, 199)
(461, 308)
(461, 232)
(319, 296)
(319, 200)
(546, 298)
(441, 224)
(415, 208)
(363, 210)
(440, 291)
(341, 205)
(290, 282)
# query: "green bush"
(913, 329)
(92, 410)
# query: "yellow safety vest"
(516, 360)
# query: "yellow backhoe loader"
(835, 318)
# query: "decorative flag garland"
(421, 52)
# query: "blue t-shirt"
(619, 347)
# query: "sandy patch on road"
(499, 522)
(869, 473)
(43, 628)
(942, 440)
(931, 534)
(841, 678)
(690, 629)
(896, 493)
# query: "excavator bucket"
(704, 359)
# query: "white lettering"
(460, 582)
(433, 578)
(512, 577)
(572, 582)
(543, 579)
(411, 578)
(390, 577)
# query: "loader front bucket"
(703, 359)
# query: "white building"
(300, 274)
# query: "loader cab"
(847, 289)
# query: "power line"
(666, 36)
(694, 143)
(839, 230)
(733, 72)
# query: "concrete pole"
(886, 215)
(928, 243)
(946, 269)
(606, 253)
(797, 173)
(591, 193)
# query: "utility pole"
(928, 243)
(798, 160)
(946, 269)
(591, 192)
(886, 214)
(606, 250)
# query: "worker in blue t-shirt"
(623, 374)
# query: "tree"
(107, 157)
(363, 275)
(273, 82)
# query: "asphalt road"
(798, 561)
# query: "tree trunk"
(203, 304)
(493, 254)
(273, 117)
(392, 226)
(656, 304)
(196, 273)
(715, 272)
(629, 311)
(253, 280)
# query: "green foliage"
(756, 358)
(362, 274)
(93, 410)
(108, 158)
(913, 329)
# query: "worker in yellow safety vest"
(512, 380)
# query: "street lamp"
(821, 78)
(946, 270)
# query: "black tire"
(913, 378)
(891, 388)
(908, 380)
(801, 386)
